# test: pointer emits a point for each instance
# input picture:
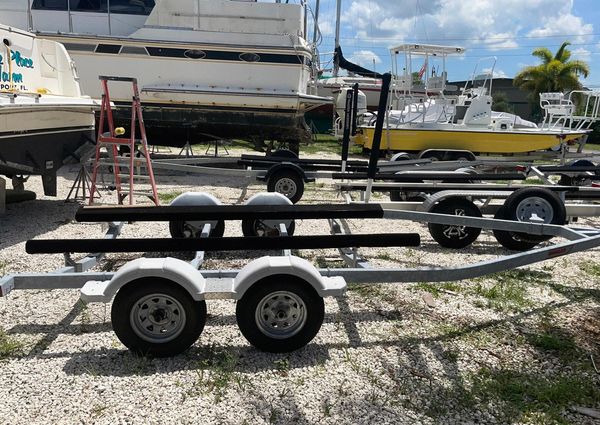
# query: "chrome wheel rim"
(286, 186)
(280, 314)
(456, 232)
(157, 318)
(261, 228)
(535, 206)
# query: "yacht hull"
(42, 152)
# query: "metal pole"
(305, 33)
(347, 127)
(383, 98)
(70, 16)
(336, 65)
(316, 23)
(108, 14)
(29, 17)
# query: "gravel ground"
(516, 347)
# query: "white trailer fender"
(287, 265)
(173, 269)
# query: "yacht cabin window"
(132, 7)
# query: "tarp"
(352, 67)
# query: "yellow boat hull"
(476, 141)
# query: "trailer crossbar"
(50, 246)
(418, 177)
(226, 212)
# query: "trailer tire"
(567, 180)
(280, 313)
(511, 240)
(156, 317)
(455, 237)
(182, 229)
(288, 183)
(257, 227)
(284, 153)
(543, 202)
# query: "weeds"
(528, 396)
(216, 373)
(437, 288)
(591, 268)
(167, 197)
(283, 367)
(509, 291)
(9, 347)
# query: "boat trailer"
(159, 304)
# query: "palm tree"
(556, 73)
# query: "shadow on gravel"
(239, 359)
(26, 220)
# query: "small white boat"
(44, 119)
(465, 122)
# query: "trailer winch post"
(354, 108)
(347, 128)
(385, 89)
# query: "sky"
(506, 29)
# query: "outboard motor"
(340, 106)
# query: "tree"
(556, 73)
(500, 103)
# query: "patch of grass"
(9, 347)
(535, 398)
(329, 263)
(552, 341)
(592, 146)
(366, 291)
(283, 366)
(534, 181)
(167, 197)
(3, 265)
(437, 288)
(509, 291)
(591, 268)
(216, 373)
(98, 410)
(324, 144)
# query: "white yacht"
(207, 68)
(44, 120)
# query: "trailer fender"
(287, 266)
(196, 199)
(172, 269)
(290, 166)
(267, 198)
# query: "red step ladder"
(111, 142)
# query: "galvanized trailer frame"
(285, 278)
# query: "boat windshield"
(130, 7)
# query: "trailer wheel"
(288, 183)
(280, 314)
(455, 236)
(157, 317)
(284, 153)
(264, 228)
(581, 180)
(184, 229)
(528, 202)
(511, 240)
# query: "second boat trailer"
(159, 304)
